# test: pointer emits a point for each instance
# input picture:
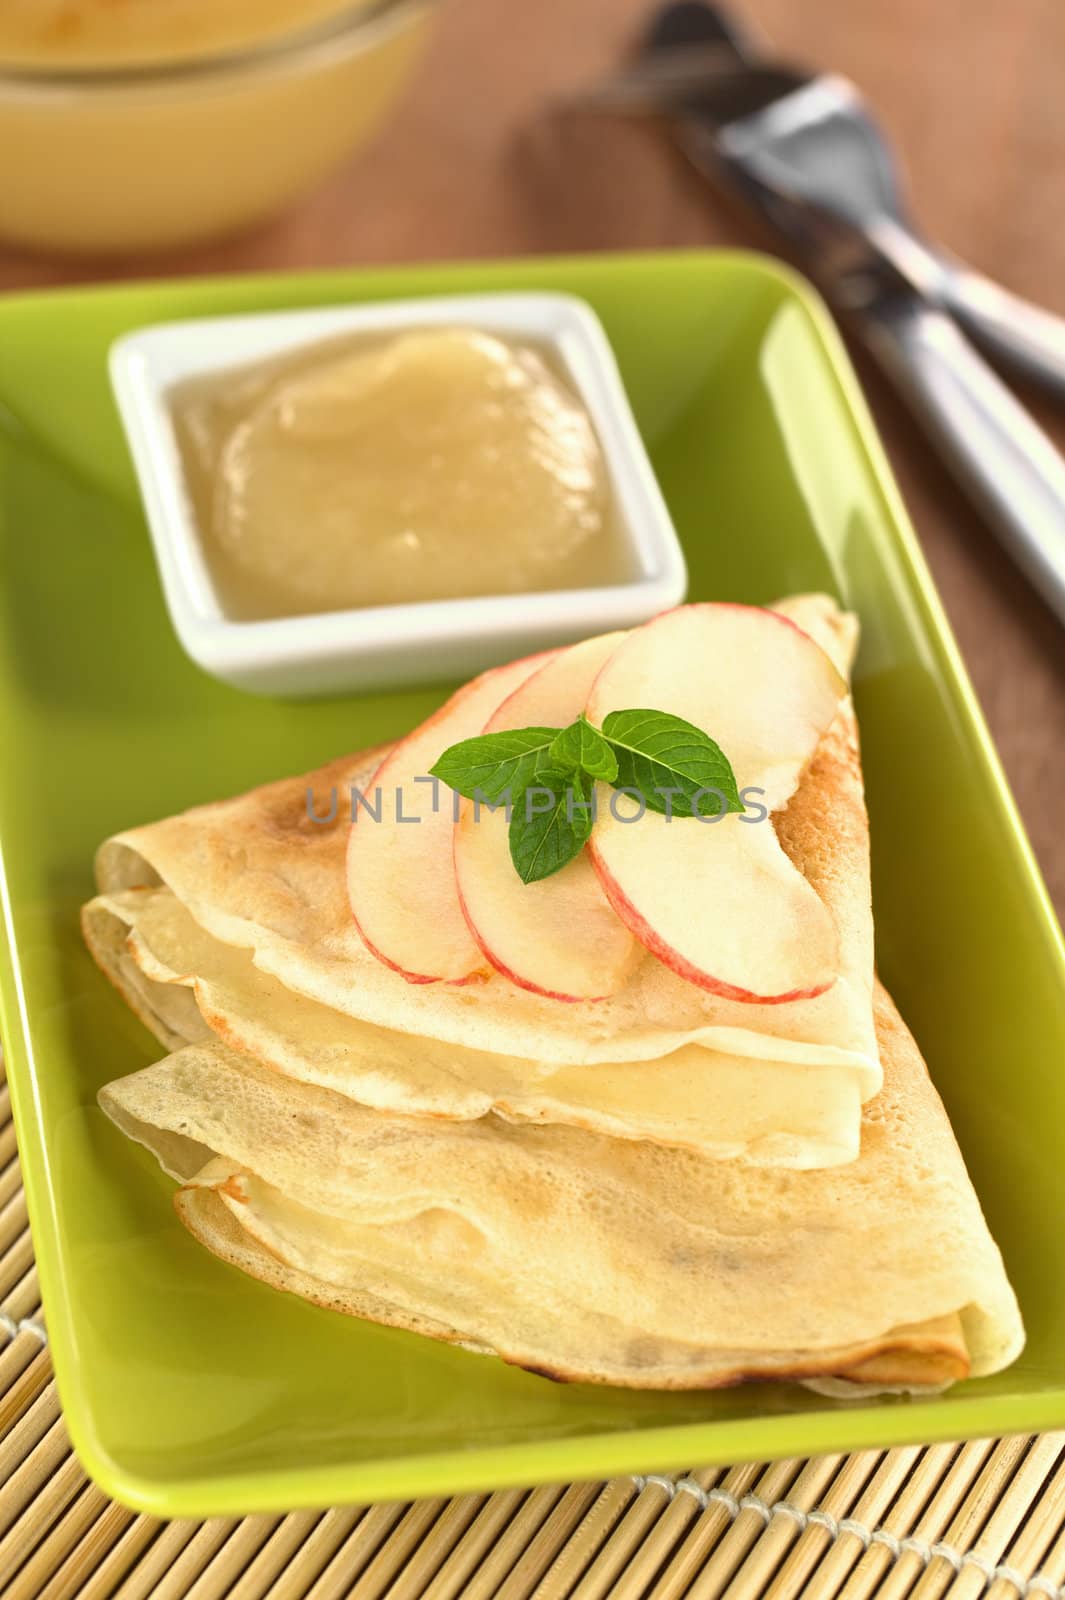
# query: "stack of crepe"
(664, 1188)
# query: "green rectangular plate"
(188, 1389)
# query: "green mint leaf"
(581, 745)
(487, 766)
(669, 761)
(550, 823)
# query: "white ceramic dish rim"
(146, 365)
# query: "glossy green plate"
(190, 1390)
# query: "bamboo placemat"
(945, 1523)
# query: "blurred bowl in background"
(107, 156)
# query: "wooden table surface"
(973, 91)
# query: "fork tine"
(687, 24)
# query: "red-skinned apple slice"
(401, 876)
(748, 677)
(719, 902)
(557, 937)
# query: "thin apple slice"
(557, 937)
(401, 877)
(719, 902)
(748, 677)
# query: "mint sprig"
(671, 762)
(550, 822)
(580, 747)
(485, 767)
(546, 778)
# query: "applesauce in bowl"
(430, 464)
(137, 124)
(422, 488)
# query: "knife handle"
(999, 454)
(1010, 329)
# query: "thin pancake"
(592, 1258)
(258, 873)
(778, 1113)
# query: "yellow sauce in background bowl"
(141, 124)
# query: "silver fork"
(806, 152)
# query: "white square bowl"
(420, 642)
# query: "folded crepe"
(188, 986)
(590, 1258)
(543, 1180)
(232, 921)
